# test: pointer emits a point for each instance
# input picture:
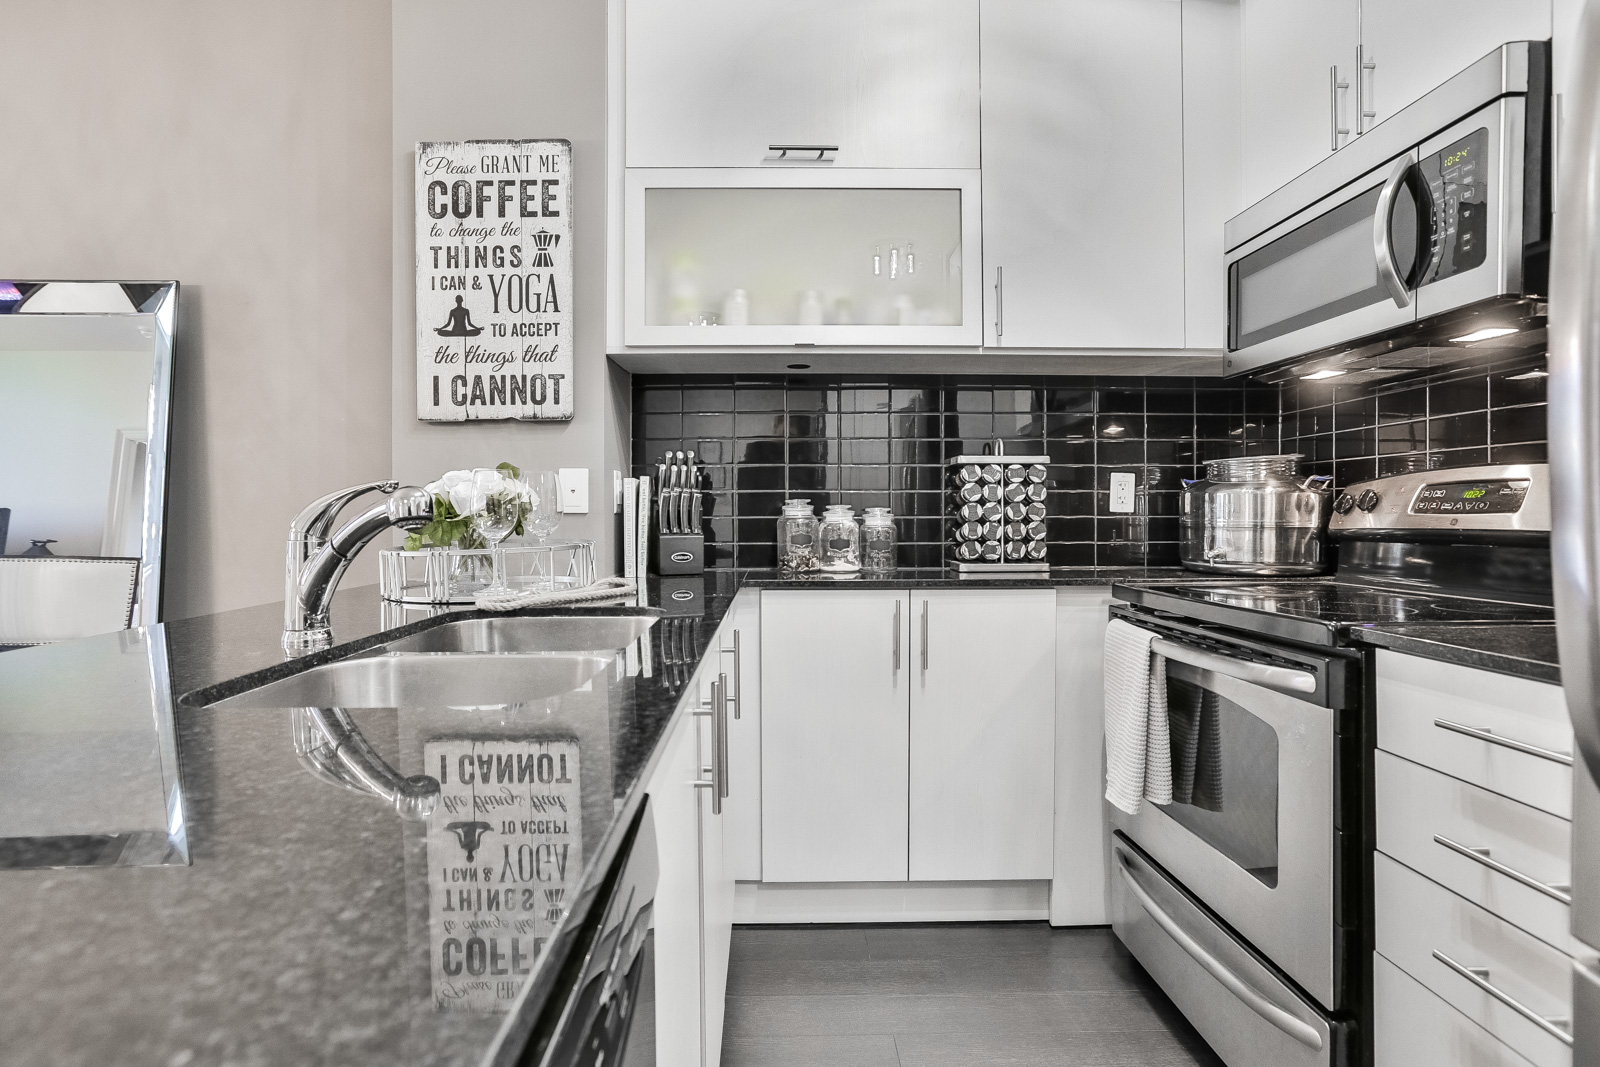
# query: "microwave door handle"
(1382, 244)
(1252, 998)
(1283, 679)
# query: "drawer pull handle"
(1481, 855)
(1484, 734)
(1479, 976)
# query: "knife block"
(679, 553)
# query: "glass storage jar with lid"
(840, 539)
(797, 537)
(878, 540)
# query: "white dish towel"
(1138, 744)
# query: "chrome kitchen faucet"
(315, 562)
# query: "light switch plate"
(574, 490)
(1122, 483)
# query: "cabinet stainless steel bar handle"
(1252, 997)
(1481, 855)
(897, 636)
(1484, 734)
(999, 303)
(1364, 89)
(738, 687)
(1479, 976)
(821, 150)
(719, 693)
(924, 637)
(1334, 85)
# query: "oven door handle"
(1283, 679)
(1252, 997)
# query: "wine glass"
(544, 514)
(498, 501)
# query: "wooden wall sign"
(494, 280)
(505, 853)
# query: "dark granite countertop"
(184, 887)
(1526, 650)
(215, 901)
(944, 577)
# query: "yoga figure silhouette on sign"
(459, 324)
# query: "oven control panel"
(1503, 498)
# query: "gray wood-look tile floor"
(947, 995)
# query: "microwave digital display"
(1458, 186)
(1482, 498)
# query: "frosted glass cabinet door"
(1083, 173)
(833, 735)
(713, 83)
(1414, 45)
(982, 734)
(782, 256)
(1289, 50)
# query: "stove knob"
(1367, 500)
(1344, 503)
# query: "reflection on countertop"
(311, 924)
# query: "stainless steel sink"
(400, 680)
(525, 633)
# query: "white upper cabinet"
(1212, 193)
(714, 83)
(1409, 47)
(1083, 173)
(1317, 73)
(1297, 62)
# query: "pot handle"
(1323, 478)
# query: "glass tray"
(457, 575)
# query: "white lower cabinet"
(907, 735)
(1471, 900)
(835, 670)
(982, 732)
(694, 901)
(1411, 1027)
(739, 658)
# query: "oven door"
(1251, 831)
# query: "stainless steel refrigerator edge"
(1575, 495)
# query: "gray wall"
(480, 69)
(242, 149)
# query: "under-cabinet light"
(1527, 375)
(1319, 375)
(1484, 334)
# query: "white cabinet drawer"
(1412, 1027)
(1426, 820)
(1420, 924)
(1424, 706)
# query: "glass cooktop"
(1319, 610)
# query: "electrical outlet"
(574, 490)
(1122, 483)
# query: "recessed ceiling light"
(1484, 334)
(1113, 429)
(799, 366)
(1319, 375)
(1526, 375)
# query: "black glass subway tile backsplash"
(1464, 416)
(884, 443)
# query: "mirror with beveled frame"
(85, 430)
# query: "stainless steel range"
(1248, 897)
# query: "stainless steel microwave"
(1431, 226)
